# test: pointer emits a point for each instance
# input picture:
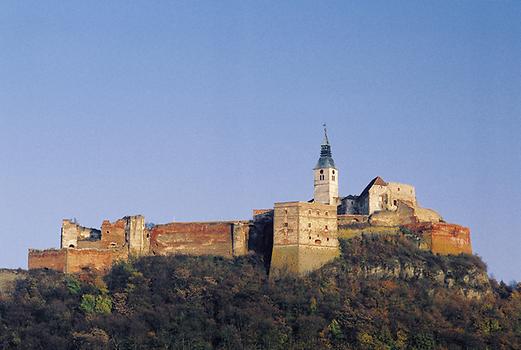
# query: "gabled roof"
(376, 181)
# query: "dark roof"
(376, 181)
(325, 162)
(326, 159)
(351, 196)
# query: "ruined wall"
(400, 192)
(113, 234)
(72, 260)
(240, 232)
(350, 219)
(195, 238)
(54, 259)
(404, 214)
(304, 236)
(427, 215)
(443, 238)
(71, 233)
(137, 237)
(93, 259)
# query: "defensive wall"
(443, 238)
(86, 248)
(72, 260)
(226, 239)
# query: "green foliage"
(73, 285)
(92, 304)
(382, 293)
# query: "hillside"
(382, 293)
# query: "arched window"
(71, 246)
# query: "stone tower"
(326, 175)
(305, 237)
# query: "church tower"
(326, 175)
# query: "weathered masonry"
(296, 236)
(304, 236)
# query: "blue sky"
(205, 110)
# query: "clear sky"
(205, 110)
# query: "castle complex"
(298, 237)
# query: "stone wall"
(113, 234)
(137, 237)
(350, 219)
(400, 192)
(194, 238)
(72, 232)
(326, 186)
(240, 236)
(443, 238)
(53, 259)
(72, 260)
(93, 259)
(304, 236)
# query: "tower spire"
(326, 140)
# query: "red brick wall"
(93, 259)
(208, 238)
(53, 259)
(444, 238)
(113, 233)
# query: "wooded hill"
(382, 293)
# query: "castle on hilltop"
(297, 236)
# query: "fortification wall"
(54, 259)
(113, 234)
(194, 238)
(400, 192)
(240, 232)
(93, 259)
(136, 235)
(350, 219)
(71, 232)
(443, 238)
(72, 260)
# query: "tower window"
(309, 225)
(326, 227)
(395, 202)
(321, 171)
(309, 211)
(327, 213)
(333, 177)
(286, 224)
(333, 172)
